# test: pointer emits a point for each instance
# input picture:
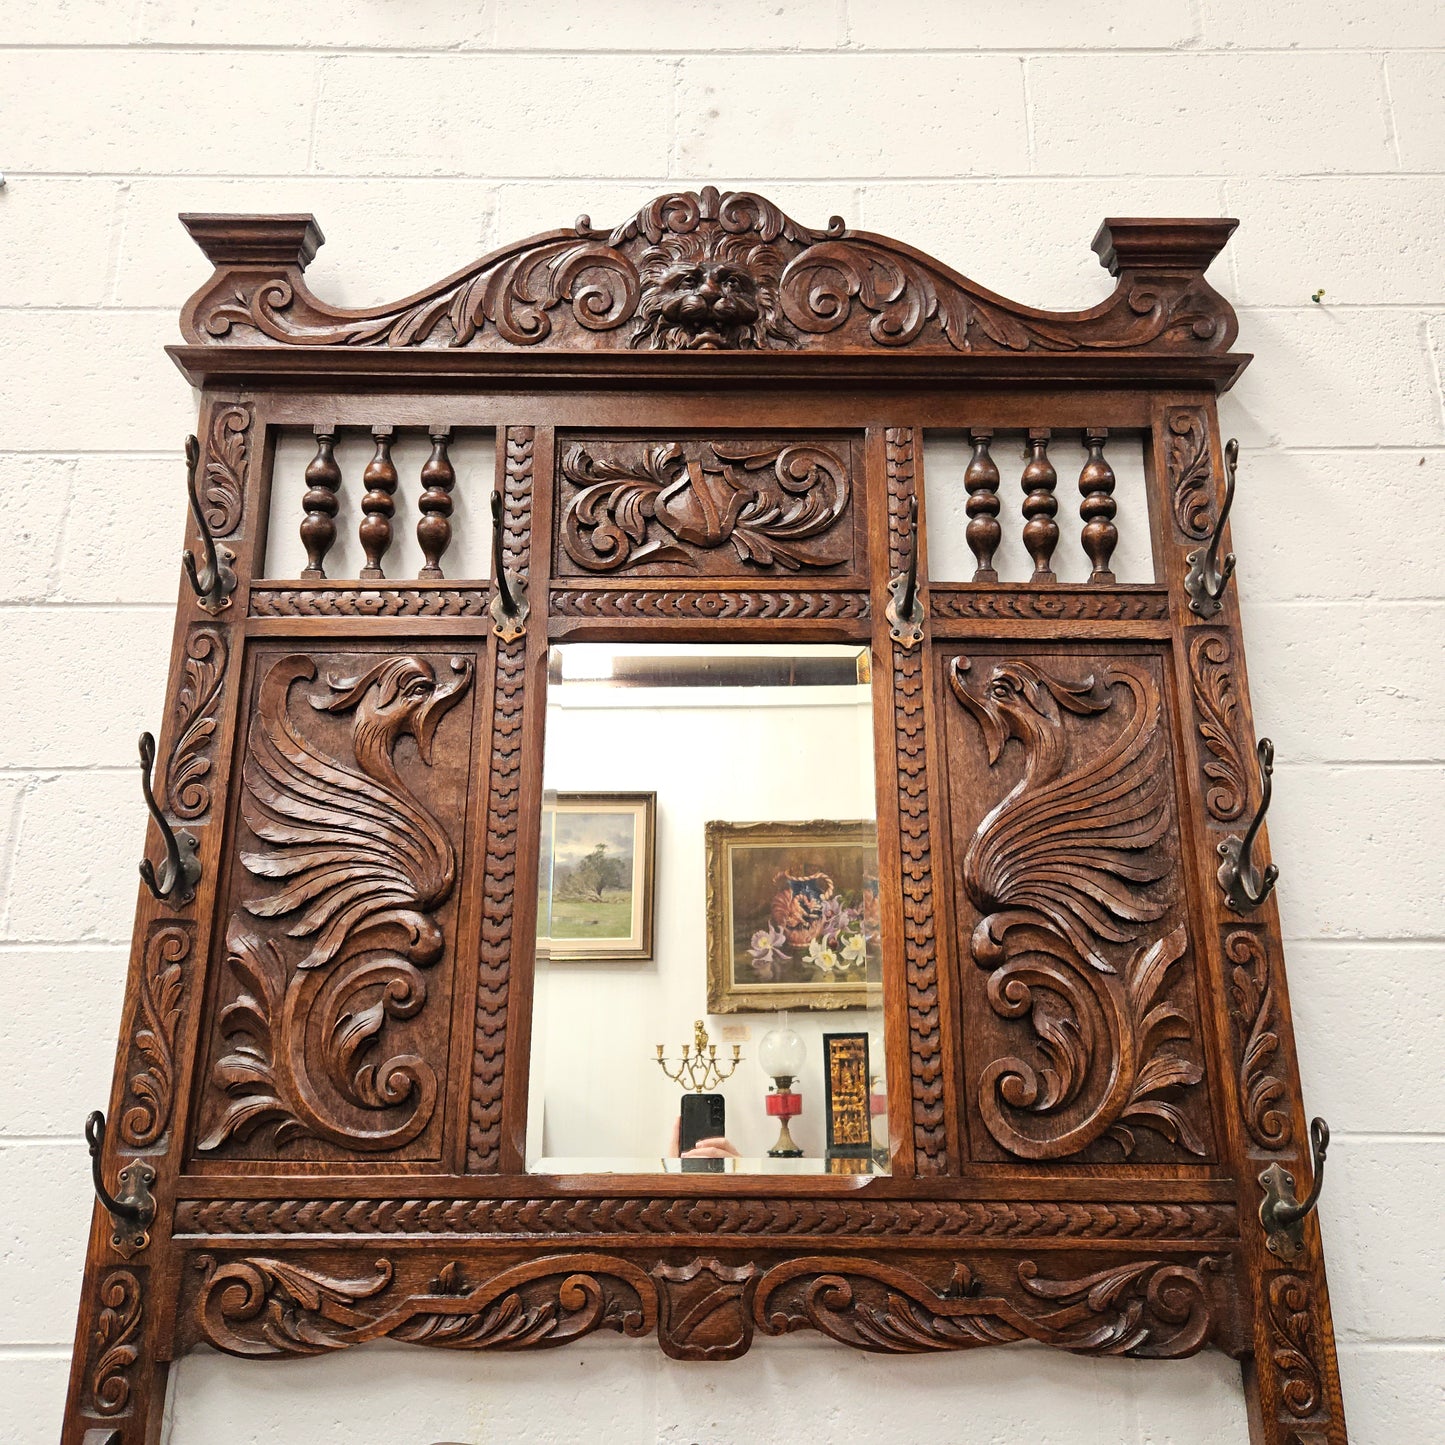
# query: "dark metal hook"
(215, 582)
(904, 614)
(135, 1207)
(509, 607)
(1245, 887)
(180, 870)
(1206, 579)
(1281, 1214)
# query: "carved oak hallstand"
(709, 426)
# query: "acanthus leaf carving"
(222, 488)
(1056, 873)
(1290, 1311)
(260, 1306)
(1212, 681)
(766, 500)
(203, 677)
(1263, 1098)
(114, 1345)
(359, 867)
(1152, 1308)
(1191, 474)
(151, 1086)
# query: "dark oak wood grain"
(710, 426)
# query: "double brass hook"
(1245, 885)
(180, 870)
(509, 607)
(1282, 1215)
(215, 582)
(904, 611)
(1206, 579)
(134, 1208)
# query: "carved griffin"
(360, 867)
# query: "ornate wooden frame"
(1087, 1076)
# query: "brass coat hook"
(1245, 887)
(904, 614)
(215, 582)
(1282, 1215)
(180, 870)
(1206, 579)
(134, 1208)
(509, 607)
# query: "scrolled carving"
(203, 675)
(222, 488)
(1056, 873)
(150, 1089)
(674, 501)
(1212, 681)
(360, 868)
(1191, 474)
(1263, 1097)
(115, 1347)
(1152, 1308)
(258, 1306)
(1290, 1311)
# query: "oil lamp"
(780, 1052)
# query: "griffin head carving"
(710, 292)
(354, 848)
(1065, 849)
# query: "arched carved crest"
(712, 271)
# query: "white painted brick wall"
(995, 134)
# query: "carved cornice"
(712, 271)
(755, 1218)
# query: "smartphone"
(704, 1116)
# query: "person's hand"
(717, 1148)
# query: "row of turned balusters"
(1040, 506)
(378, 505)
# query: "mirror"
(708, 914)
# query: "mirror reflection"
(709, 960)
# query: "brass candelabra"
(699, 1069)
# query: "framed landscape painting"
(792, 915)
(595, 887)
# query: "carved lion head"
(709, 293)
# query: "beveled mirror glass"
(709, 860)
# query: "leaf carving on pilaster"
(1294, 1348)
(222, 485)
(358, 867)
(1263, 1096)
(1191, 474)
(1212, 680)
(114, 1344)
(203, 675)
(150, 1089)
(1065, 871)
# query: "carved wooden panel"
(330, 1005)
(707, 507)
(1078, 977)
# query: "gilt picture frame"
(595, 893)
(792, 915)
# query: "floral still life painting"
(792, 915)
(595, 883)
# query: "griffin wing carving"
(1063, 848)
(361, 866)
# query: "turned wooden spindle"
(318, 527)
(378, 506)
(984, 533)
(1041, 532)
(439, 476)
(1098, 507)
